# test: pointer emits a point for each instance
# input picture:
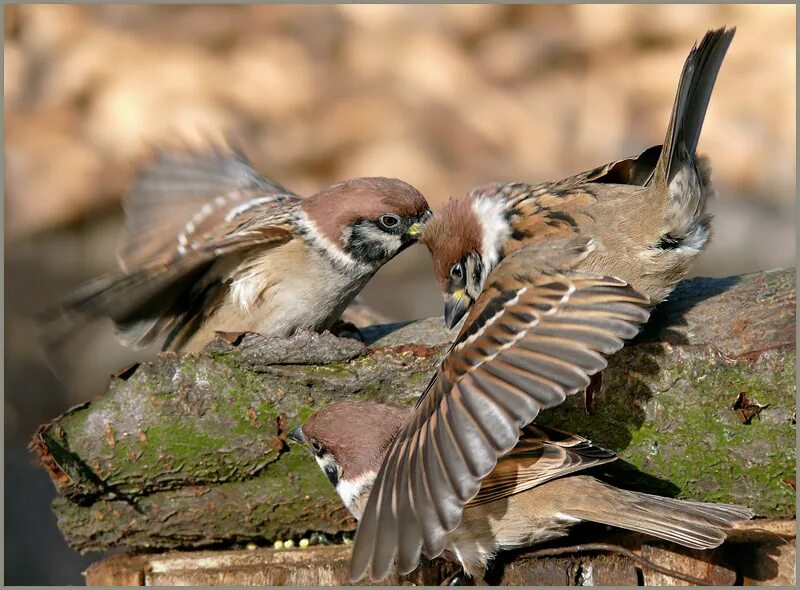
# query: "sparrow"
(647, 215)
(214, 246)
(536, 333)
(535, 493)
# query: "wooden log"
(190, 451)
(315, 566)
(328, 565)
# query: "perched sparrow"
(647, 215)
(533, 494)
(213, 245)
(535, 334)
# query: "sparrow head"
(465, 239)
(368, 220)
(349, 440)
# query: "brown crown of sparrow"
(535, 493)
(647, 215)
(213, 245)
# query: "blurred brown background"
(444, 97)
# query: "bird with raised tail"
(535, 493)
(214, 246)
(648, 215)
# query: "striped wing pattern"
(524, 348)
(633, 171)
(177, 198)
(185, 211)
(542, 454)
(118, 294)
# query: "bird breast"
(288, 288)
(515, 521)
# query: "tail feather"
(697, 525)
(691, 102)
(142, 304)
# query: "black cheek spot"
(332, 473)
(476, 275)
(365, 249)
(366, 252)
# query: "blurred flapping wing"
(178, 196)
(534, 336)
(185, 211)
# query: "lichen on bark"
(190, 450)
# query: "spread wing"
(542, 454)
(532, 338)
(185, 210)
(178, 196)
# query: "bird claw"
(458, 578)
(595, 383)
(342, 329)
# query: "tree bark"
(190, 450)
(759, 553)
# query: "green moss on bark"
(190, 450)
(677, 423)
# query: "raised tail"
(691, 102)
(697, 525)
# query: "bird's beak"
(456, 305)
(414, 230)
(297, 435)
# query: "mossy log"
(190, 450)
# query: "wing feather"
(176, 191)
(542, 454)
(185, 210)
(517, 353)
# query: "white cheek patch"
(339, 257)
(491, 214)
(326, 462)
(351, 492)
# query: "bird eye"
(457, 272)
(316, 447)
(389, 221)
